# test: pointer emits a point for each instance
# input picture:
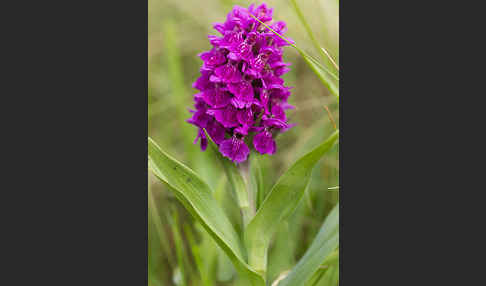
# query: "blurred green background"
(179, 251)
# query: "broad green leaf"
(280, 203)
(196, 196)
(325, 242)
(225, 271)
(281, 256)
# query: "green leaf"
(281, 257)
(330, 277)
(316, 277)
(325, 242)
(225, 271)
(196, 196)
(331, 258)
(280, 203)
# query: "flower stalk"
(248, 196)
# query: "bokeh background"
(179, 251)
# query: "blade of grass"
(159, 252)
(179, 246)
(301, 52)
(308, 29)
(323, 77)
(308, 198)
(198, 258)
(161, 234)
(330, 58)
(321, 71)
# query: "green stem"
(235, 177)
(240, 187)
(247, 193)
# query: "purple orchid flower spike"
(242, 95)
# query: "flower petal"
(204, 140)
(264, 143)
(227, 116)
(235, 149)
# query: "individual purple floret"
(242, 99)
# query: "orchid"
(253, 209)
(242, 93)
